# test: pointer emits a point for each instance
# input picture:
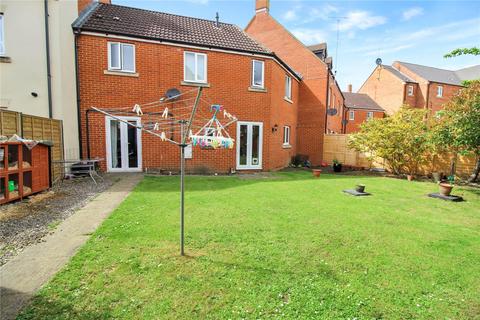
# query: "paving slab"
(22, 276)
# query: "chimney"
(262, 6)
(349, 88)
(217, 20)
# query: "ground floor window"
(369, 115)
(286, 135)
(351, 115)
(249, 145)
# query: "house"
(37, 62)
(359, 107)
(129, 56)
(318, 90)
(416, 85)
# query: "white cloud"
(310, 36)
(387, 50)
(412, 12)
(361, 20)
(290, 15)
(198, 1)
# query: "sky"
(412, 31)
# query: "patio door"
(249, 145)
(124, 145)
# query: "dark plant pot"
(360, 188)
(337, 168)
(445, 189)
(316, 173)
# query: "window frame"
(370, 115)
(351, 115)
(2, 34)
(195, 74)
(120, 67)
(439, 91)
(288, 87)
(286, 135)
(410, 93)
(262, 86)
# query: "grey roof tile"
(398, 74)
(443, 75)
(361, 101)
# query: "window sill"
(4, 59)
(254, 89)
(286, 146)
(121, 73)
(288, 100)
(195, 84)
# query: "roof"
(146, 24)
(398, 74)
(443, 75)
(361, 101)
(318, 47)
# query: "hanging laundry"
(163, 136)
(165, 113)
(156, 127)
(138, 110)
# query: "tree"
(401, 139)
(463, 51)
(458, 125)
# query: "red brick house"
(415, 85)
(127, 56)
(359, 107)
(318, 89)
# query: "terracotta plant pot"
(316, 172)
(410, 177)
(445, 189)
(360, 188)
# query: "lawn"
(288, 246)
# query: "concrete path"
(22, 276)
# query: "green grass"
(288, 246)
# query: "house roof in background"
(318, 47)
(398, 74)
(146, 24)
(443, 75)
(361, 101)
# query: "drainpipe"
(327, 106)
(427, 99)
(49, 74)
(77, 84)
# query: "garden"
(280, 245)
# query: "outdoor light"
(275, 128)
(34, 94)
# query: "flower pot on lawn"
(410, 177)
(360, 188)
(316, 172)
(445, 188)
(337, 167)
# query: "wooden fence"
(36, 128)
(336, 147)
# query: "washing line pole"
(184, 134)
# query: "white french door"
(249, 145)
(124, 145)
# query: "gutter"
(49, 74)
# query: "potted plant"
(316, 172)
(337, 166)
(446, 186)
(410, 177)
(360, 188)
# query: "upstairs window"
(286, 135)
(439, 91)
(288, 87)
(121, 57)
(195, 67)
(369, 115)
(2, 36)
(410, 90)
(351, 115)
(258, 74)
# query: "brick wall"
(313, 88)
(334, 123)
(159, 68)
(436, 103)
(360, 117)
(82, 4)
(385, 89)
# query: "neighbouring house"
(129, 56)
(359, 107)
(415, 85)
(318, 90)
(37, 62)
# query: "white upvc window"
(258, 74)
(439, 91)
(369, 115)
(410, 90)
(121, 57)
(288, 87)
(351, 115)
(286, 135)
(195, 67)
(2, 35)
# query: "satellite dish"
(332, 112)
(378, 62)
(172, 94)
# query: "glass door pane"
(255, 145)
(132, 145)
(115, 144)
(243, 144)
